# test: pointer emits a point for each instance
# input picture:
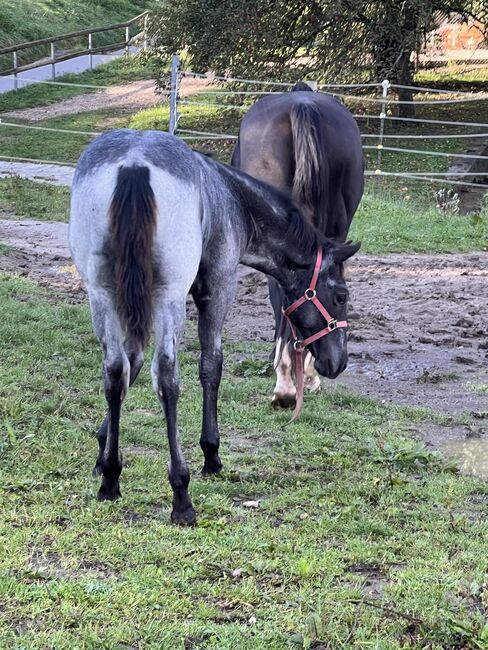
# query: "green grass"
(382, 223)
(474, 79)
(386, 225)
(28, 20)
(62, 147)
(24, 198)
(344, 498)
(107, 74)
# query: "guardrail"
(90, 50)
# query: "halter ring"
(297, 345)
(310, 294)
(332, 325)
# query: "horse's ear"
(342, 252)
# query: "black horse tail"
(132, 225)
(310, 182)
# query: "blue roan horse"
(309, 145)
(152, 220)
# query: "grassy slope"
(344, 498)
(28, 20)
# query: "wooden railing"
(90, 50)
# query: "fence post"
(16, 81)
(144, 41)
(173, 96)
(127, 41)
(385, 84)
(90, 55)
(53, 62)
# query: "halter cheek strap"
(299, 345)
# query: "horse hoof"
(213, 467)
(283, 401)
(111, 493)
(109, 496)
(186, 517)
(314, 385)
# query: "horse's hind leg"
(116, 381)
(136, 360)
(165, 373)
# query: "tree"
(332, 40)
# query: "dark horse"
(308, 144)
(152, 220)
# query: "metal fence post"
(144, 42)
(16, 81)
(53, 62)
(385, 84)
(173, 96)
(90, 54)
(127, 41)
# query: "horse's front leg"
(212, 306)
(284, 393)
(165, 374)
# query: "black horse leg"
(165, 373)
(212, 308)
(136, 360)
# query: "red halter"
(310, 295)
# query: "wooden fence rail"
(65, 56)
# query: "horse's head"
(319, 314)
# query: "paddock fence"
(70, 50)
(423, 149)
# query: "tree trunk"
(404, 78)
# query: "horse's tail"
(310, 182)
(132, 225)
(302, 85)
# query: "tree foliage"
(328, 39)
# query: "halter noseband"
(299, 345)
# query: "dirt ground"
(419, 323)
(130, 96)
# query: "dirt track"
(419, 323)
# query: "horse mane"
(265, 205)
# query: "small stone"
(252, 620)
(238, 573)
(250, 504)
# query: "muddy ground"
(419, 323)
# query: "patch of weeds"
(252, 368)
(477, 388)
(428, 377)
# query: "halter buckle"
(310, 294)
(332, 325)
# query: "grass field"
(362, 538)
(28, 20)
(383, 223)
(15, 141)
